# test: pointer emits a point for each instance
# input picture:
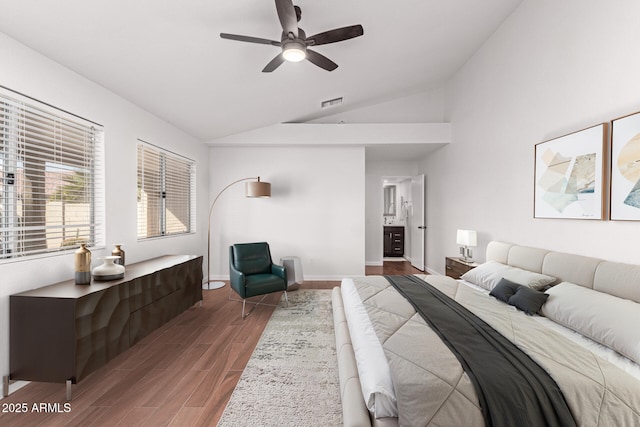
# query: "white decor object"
(466, 238)
(109, 270)
(293, 267)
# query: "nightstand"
(456, 267)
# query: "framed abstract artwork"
(625, 168)
(569, 175)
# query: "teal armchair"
(253, 273)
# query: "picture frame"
(569, 175)
(625, 168)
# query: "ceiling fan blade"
(337, 35)
(287, 16)
(275, 63)
(321, 60)
(249, 39)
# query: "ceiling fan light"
(294, 52)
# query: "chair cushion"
(252, 258)
(259, 284)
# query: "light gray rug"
(292, 376)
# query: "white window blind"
(51, 179)
(166, 192)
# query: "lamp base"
(466, 253)
(209, 286)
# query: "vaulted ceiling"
(167, 56)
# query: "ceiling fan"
(295, 43)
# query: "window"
(166, 192)
(50, 178)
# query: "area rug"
(292, 376)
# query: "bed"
(396, 371)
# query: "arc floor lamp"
(255, 188)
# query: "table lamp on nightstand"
(467, 238)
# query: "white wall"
(551, 69)
(26, 71)
(316, 210)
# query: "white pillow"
(373, 367)
(604, 318)
(488, 275)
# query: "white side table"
(293, 267)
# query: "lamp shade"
(467, 238)
(257, 189)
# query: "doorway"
(404, 210)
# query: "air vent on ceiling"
(331, 102)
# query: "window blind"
(166, 192)
(50, 179)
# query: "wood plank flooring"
(392, 268)
(182, 374)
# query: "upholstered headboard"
(618, 279)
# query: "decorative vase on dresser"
(83, 265)
(109, 270)
(119, 252)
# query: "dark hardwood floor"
(392, 268)
(181, 374)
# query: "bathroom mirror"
(389, 200)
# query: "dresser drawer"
(455, 267)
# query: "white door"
(417, 222)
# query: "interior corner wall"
(316, 210)
(422, 107)
(28, 72)
(552, 68)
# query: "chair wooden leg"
(244, 301)
(286, 298)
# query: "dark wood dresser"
(393, 241)
(63, 332)
(456, 267)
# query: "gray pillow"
(528, 300)
(504, 290)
